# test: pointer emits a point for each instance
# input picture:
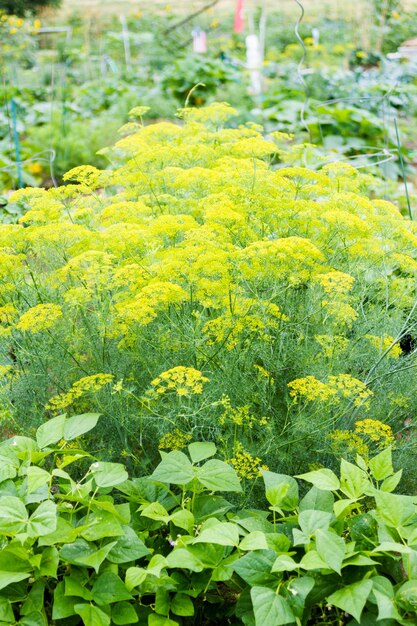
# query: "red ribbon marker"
(239, 17)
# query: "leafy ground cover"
(80, 540)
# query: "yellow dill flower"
(245, 465)
(263, 374)
(383, 343)
(139, 111)
(87, 384)
(214, 114)
(311, 389)
(5, 370)
(184, 381)
(341, 312)
(84, 174)
(40, 317)
(332, 344)
(375, 431)
(174, 441)
(341, 386)
(346, 386)
(239, 415)
(8, 313)
(335, 282)
(345, 441)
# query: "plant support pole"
(16, 141)
(400, 154)
(126, 43)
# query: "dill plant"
(218, 293)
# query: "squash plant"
(81, 543)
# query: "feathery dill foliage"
(195, 290)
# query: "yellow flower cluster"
(376, 431)
(239, 415)
(347, 441)
(369, 434)
(174, 441)
(341, 386)
(245, 465)
(184, 381)
(332, 344)
(385, 343)
(87, 384)
(40, 317)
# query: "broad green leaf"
(183, 519)
(331, 548)
(63, 605)
(284, 563)
(35, 599)
(353, 481)
(79, 425)
(108, 474)
(37, 478)
(310, 521)
(381, 465)
(311, 561)
(393, 546)
(270, 608)
(155, 511)
(255, 567)
(299, 588)
(162, 603)
(25, 448)
(13, 516)
(352, 598)
(109, 588)
(184, 559)
(123, 613)
(64, 533)
(341, 507)
(201, 450)
(76, 584)
(218, 476)
(317, 499)
(135, 576)
(393, 509)
(43, 520)
(160, 620)
(386, 606)
(127, 548)
(9, 463)
(254, 541)
(8, 578)
(6, 611)
(175, 468)
(182, 605)
(156, 565)
(213, 506)
(49, 562)
(223, 534)
(82, 553)
(390, 483)
(281, 490)
(406, 596)
(101, 524)
(92, 615)
(51, 432)
(36, 618)
(323, 479)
